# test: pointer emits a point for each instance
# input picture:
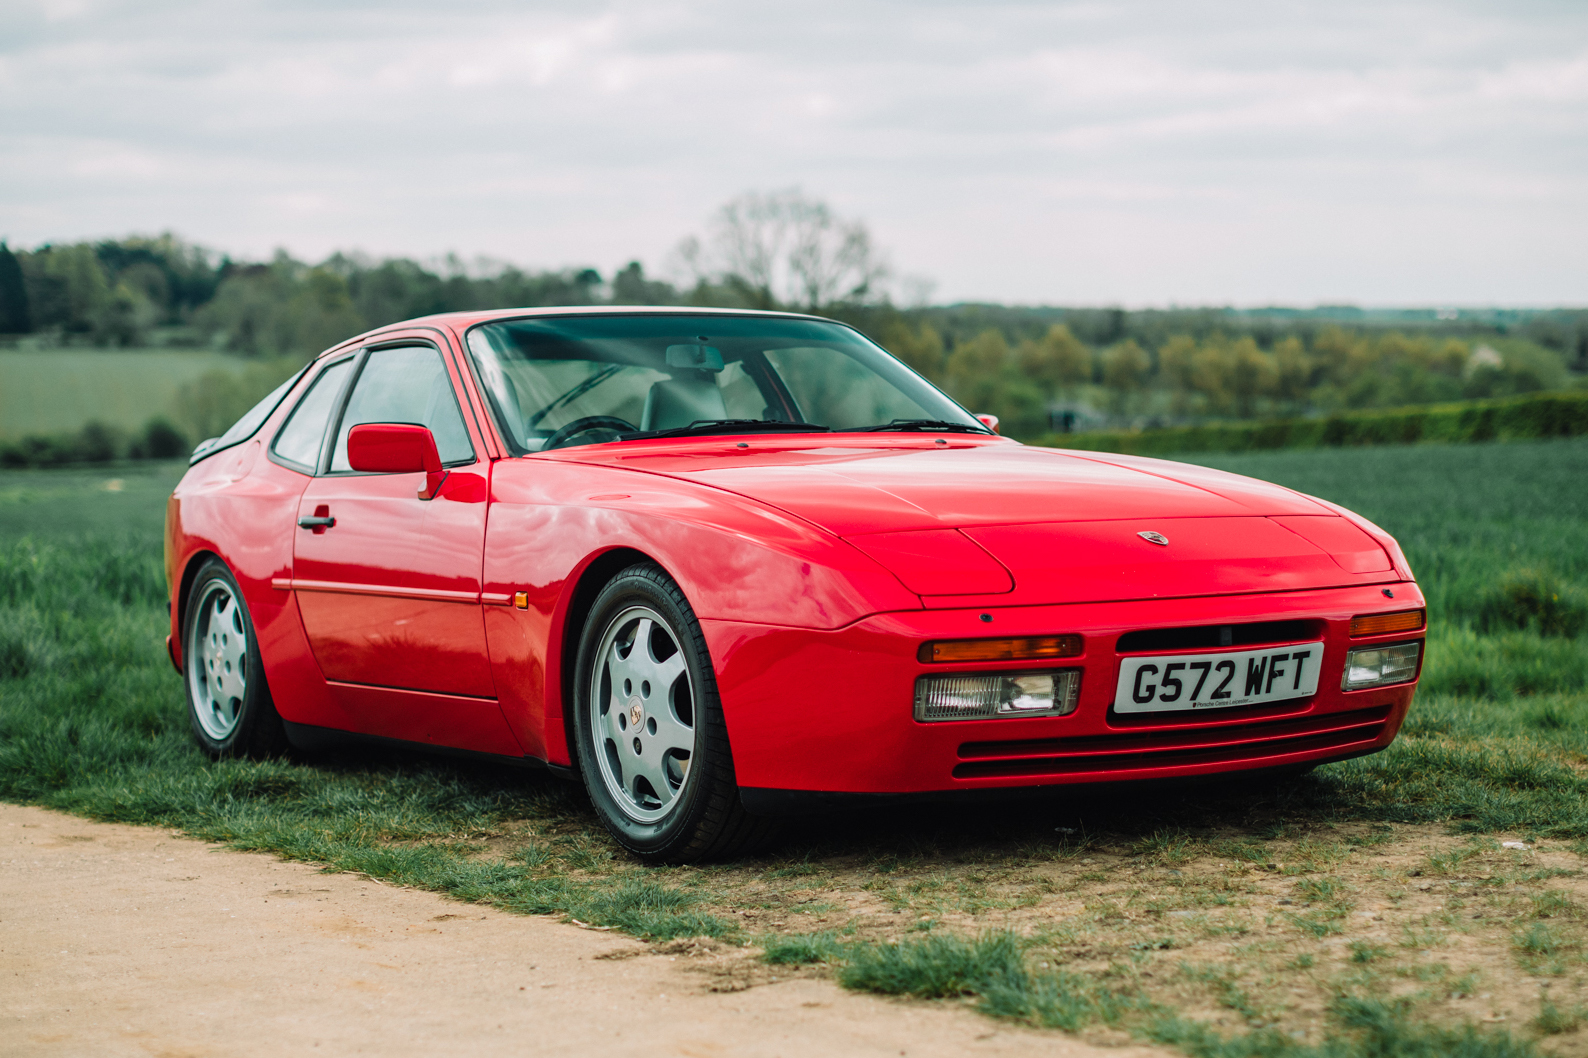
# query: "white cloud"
(1136, 151)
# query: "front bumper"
(831, 711)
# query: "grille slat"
(1132, 752)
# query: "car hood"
(993, 520)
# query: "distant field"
(57, 391)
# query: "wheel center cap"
(636, 711)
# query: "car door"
(388, 584)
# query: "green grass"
(1466, 516)
(996, 973)
(121, 505)
(92, 722)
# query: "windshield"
(555, 382)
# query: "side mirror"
(989, 421)
(396, 448)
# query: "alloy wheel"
(642, 718)
(217, 661)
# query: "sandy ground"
(119, 940)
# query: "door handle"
(316, 521)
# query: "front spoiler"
(761, 801)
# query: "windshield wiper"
(710, 426)
(939, 425)
(574, 394)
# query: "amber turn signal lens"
(1001, 649)
(1378, 624)
(521, 599)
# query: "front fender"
(733, 557)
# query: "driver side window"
(407, 384)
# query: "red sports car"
(724, 565)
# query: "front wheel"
(229, 705)
(653, 747)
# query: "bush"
(96, 443)
(160, 440)
(1544, 415)
(1531, 599)
(38, 450)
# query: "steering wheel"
(610, 423)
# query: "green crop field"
(1366, 909)
(57, 391)
(1486, 528)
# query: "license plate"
(1217, 681)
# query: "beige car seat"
(690, 395)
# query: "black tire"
(229, 707)
(696, 815)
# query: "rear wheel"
(653, 747)
(229, 705)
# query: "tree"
(1125, 369)
(983, 376)
(921, 349)
(1177, 364)
(781, 248)
(1294, 370)
(321, 313)
(175, 278)
(1252, 375)
(630, 287)
(1058, 362)
(1212, 373)
(67, 288)
(16, 317)
(247, 314)
(1342, 354)
(974, 371)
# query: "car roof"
(463, 320)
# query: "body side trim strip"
(440, 696)
(427, 594)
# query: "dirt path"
(118, 940)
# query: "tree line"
(1039, 369)
(1053, 381)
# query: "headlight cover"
(987, 696)
(1379, 666)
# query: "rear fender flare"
(179, 605)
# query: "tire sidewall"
(212, 572)
(643, 585)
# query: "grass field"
(1367, 909)
(57, 391)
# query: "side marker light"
(521, 599)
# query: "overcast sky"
(1129, 151)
